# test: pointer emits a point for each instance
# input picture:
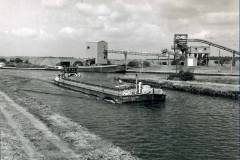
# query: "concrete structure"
(98, 51)
(199, 54)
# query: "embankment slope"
(31, 130)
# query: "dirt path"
(34, 139)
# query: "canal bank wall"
(203, 88)
(195, 73)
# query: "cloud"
(54, 3)
(67, 30)
(85, 7)
(93, 10)
(30, 33)
(202, 34)
(124, 12)
(72, 33)
(117, 19)
(219, 18)
(103, 10)
(4, 32)
(125, 24)
(25, 32)
(44, 35)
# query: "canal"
(186, 126)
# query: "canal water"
(186, 126)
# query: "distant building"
(97, 51)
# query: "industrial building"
(97, 52)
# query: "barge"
(120, 93)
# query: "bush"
(109, 62)
(138, 64)
(186, 76)
(173, 76)
(174, 62)
(182, 63)
(134, 63)
(3, 60)
(183, 76)
(12, 60)
(146, 64)
(26, 61)
(164, 63)
(77, 63)
(18, 60)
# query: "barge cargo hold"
(118, 94)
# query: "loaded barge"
(119, 93)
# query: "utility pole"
(125, 59)
(176, 62)
(233, 61)
(219, 60)
(168, 58)
(136, 83)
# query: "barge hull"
(146, 98)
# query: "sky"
(62, 27)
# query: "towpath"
(25, 137)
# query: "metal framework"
(137, 53)
(126, 53)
